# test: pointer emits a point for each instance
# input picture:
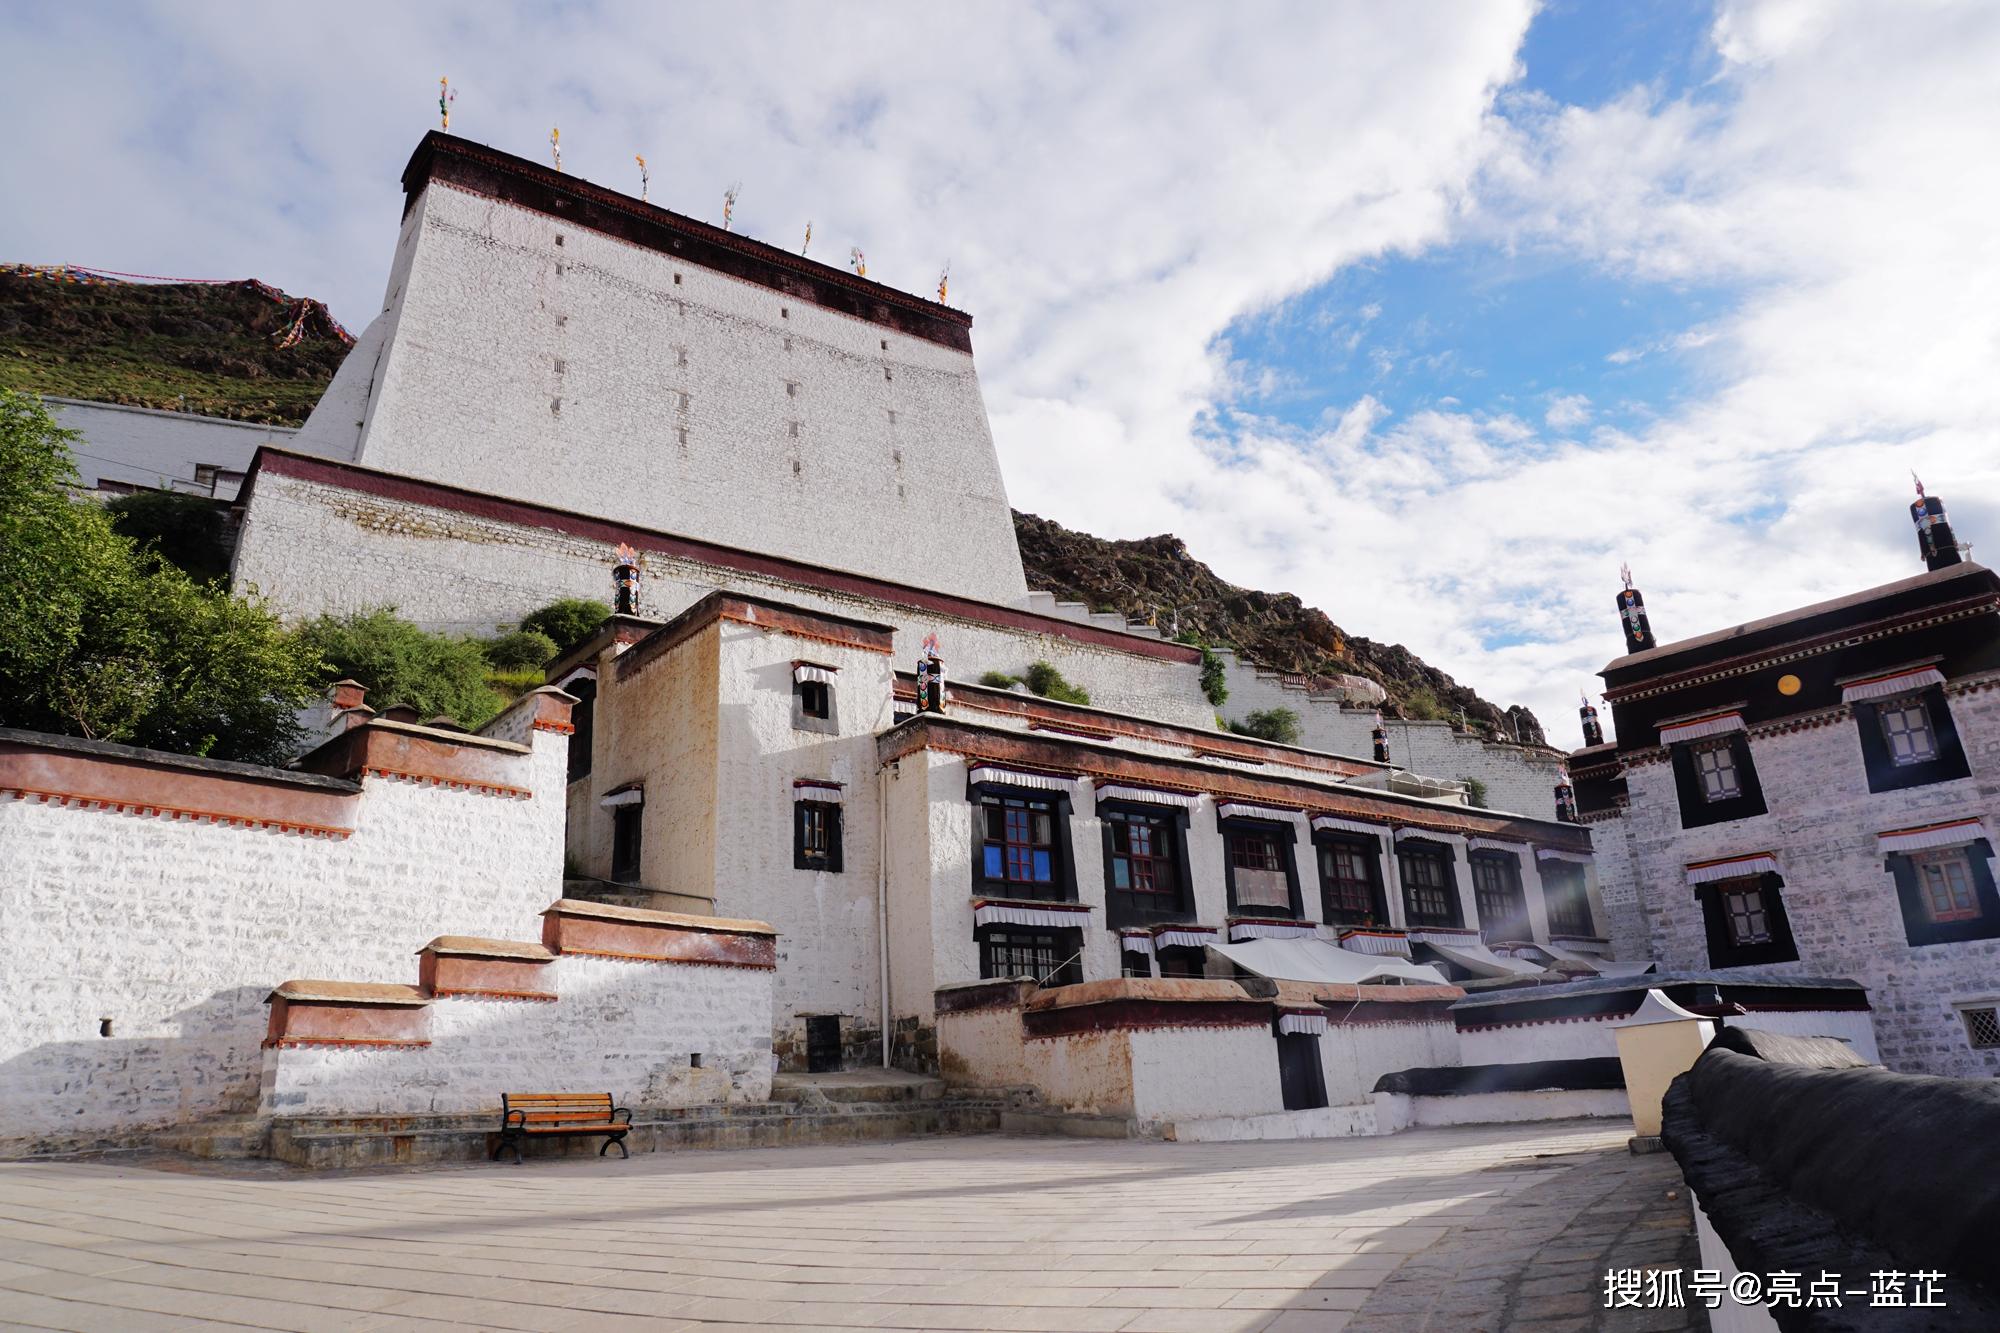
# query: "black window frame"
(628, 832)
(1509, 863)
(829, 812)
(583, 724)
(1723, 951)
(1286, 835)
(1884, 773)
(1065, 944)
(827, 723)
(1918, 927)
(1061, 887)
(1697, 811)
(1187, 960)
(815, 699)
(1567, 873)
(1447, 856)
(1132, 907)
(1370, 851)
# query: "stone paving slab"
(1469, 1228)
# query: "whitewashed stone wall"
(623, 1027)
(1841, 902)
(1356, 1055)
(146, 447)
(176, 931)
(535, 358)
(1587, 1038)
(313, 548)
(1198, 1072)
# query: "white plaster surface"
(520, 343)
(147, 447)
(1582, 1039)
(619, 1026)
(177, 930)
(1396, 1111)
(1197, 1073)
(1326, 1122)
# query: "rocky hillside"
(238, 349)
(1152, 578)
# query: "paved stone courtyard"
(1467, 1229)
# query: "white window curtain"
(1715, 724)
(1733, 867)
(1896, 682)
(1121, 791)
(1335, 824)
(1955, 833)
(1014, 777)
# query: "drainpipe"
(882, 902)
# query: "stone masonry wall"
(535, 358)
(1841, 901)
(175, 930)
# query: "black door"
(822, 1043)
(1300, 1077)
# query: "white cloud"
(1567, 411)
(1115, 187)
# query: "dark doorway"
(822, 1043)
(625, 828)
(1300, 1077)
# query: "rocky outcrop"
(1155, 579)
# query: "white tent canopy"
(1316, 960)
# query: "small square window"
(815, 698)
(1906, 728)
(1982, 1027)
(1945, 879)
(1747, 914)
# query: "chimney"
(347, 693)
(1632, 615)
(1935, 541)
(1593, 730)
(625, 581)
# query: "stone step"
(885, 1086)
(229, 1139)
(637, 895)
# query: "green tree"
(568, 622)
(1270, 724)
(522, 649)
(1214, 680)
(189, 531)
(402, 663)
(99, 638)
(1421, 705)
(1475, 792)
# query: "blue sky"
(1432, 314)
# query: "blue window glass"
(992, 861)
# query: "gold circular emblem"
(1789, 684)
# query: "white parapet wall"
(151, 901)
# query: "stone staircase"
(637, 895)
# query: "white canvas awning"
(1335, 824)
(1244, 810)
(1272, 930)
(1014, 914)
(1472, 954)
(1294, 1023)
(1955, 833)
(1714, 724)
(1136, 941)
(624, 796)
(1892, 683)
(1563, 854)
(1017, 777)
(1495, 845)
(1316, 960)
(1125, 791)
(1185, 937)
(1407, 834)
(811, 671)
(1381, 943)
(1732, 867)
(824, 792)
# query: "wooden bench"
(523, 1114)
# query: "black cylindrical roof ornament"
(625, 581)
(1632, 615)
(1381, 738)
(1593, 730)
(1565, 800)
(1934, 536)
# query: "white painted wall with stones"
(1194, 1073)
(147, 447)
(177, 930)
(1356, 1055)
(1841, 901)
(623, 1027)
(535, 358)
(1085, 1072)
(313, 548)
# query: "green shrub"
(1475, 792)
(1270, 724)
(99, 638)
(999, 680)
(1048, 682)
(1420, 705)
(190, 532)
(567, 622)
(521, 649)
(401, 663)
(1214, 680)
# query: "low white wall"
(1193, 1073)
(1087, 1072)
(622, 1027)
(176, 929)
(1356, 1055)
(1584, 1038)
(1326, 1122)
(1395, 1111)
